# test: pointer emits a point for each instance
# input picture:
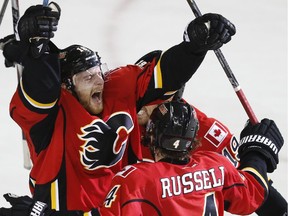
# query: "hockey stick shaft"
(228, 71)
(45, 2)
(15, 15)
(3, 9)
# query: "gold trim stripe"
(254, 171)
(158, 75)
(54, 195)
(35, 103)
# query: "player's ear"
(64, 86)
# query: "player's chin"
(96, 107)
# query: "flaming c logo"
(105, 142)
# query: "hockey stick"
(16, 15)
(228, 72)
(3, 9)
(45, 2)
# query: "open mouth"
(97, 96)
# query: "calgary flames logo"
(105, 143)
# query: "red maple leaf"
(217, 132)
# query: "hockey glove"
(23, 205)
(37, 26)
(208, 32)
(26, 206)
(264, 138)
(9, 57)
(6, 40)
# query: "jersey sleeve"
(244, 191)
(38, 90)
(40, 83)
(167, 73)
(34, 104)
(215, 136)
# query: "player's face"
(89, 86)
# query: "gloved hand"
(264, 138)
(38, 25)
(23, 205)
(9, 57)
(6, 40)
(208, 32)
(26, 206)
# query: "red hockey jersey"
(205, 186)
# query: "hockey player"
(216, 137)
(177, 183)
(76, 119)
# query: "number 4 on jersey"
(111, 196)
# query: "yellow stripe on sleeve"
(255, 172)
(158, 75)
(35, 103)
(54, 195)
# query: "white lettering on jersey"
(192, 181)
(187, 183)
(165, 187)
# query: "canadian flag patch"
(216, 134)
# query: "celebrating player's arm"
(197, 40)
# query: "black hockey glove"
(6, 40)
(26, 206)
(264, 138)
(37, 26)
(9, 56)
(23, 205)
(208, 32)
